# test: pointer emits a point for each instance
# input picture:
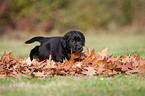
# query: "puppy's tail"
(39, 39)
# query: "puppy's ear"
(83, 40)
(63, 42)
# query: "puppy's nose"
(79, 47)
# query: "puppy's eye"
(72, 41)
(78, 39)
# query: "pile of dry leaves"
(92, 64)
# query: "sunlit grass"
(124, 85)
(118, 44)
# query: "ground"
(119, 85)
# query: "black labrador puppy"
(58, 47)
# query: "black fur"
(59, 47)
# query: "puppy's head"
(73, 40)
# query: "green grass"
(118, 44)
(120, 85)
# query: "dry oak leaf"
(103, 53)
(89, 52)
(49, 63)
(90, 71)
(73, 57)
(2, 74)
(125, 59)
(40, 74)
(100, 68)
(141, 67)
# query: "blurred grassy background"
(62, 15)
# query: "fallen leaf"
(91, 64)
(89, 72)
(103, 53)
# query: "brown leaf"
(40, 74)
(10, 54)
(132, 71)
(49, 63)
(104, 53)
(91, 64)
(2, 74)
(90, 71)
(100, 68)
(141, 66)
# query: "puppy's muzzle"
(79, 48)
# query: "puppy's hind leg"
(34, 53)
